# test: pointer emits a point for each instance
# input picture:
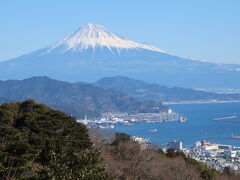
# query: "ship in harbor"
(153, 130)
(106, 126)
(182, 119)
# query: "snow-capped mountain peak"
(95, 35)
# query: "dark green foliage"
(173, 154)
(206, 173)
(121, 138)
(40, 143)
(226, 171)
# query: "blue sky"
(201, 29)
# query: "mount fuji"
(92, 52)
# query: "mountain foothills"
(149, 91)
(92, 52)
(39, 143)
(78, 99)
(112, 94)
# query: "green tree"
(120, 138)
(37, 142)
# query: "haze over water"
(199, 126)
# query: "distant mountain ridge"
(111, 94)
(148, 91)
(74, 98)
(93, 52)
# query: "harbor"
(199, 124)
(110, 119)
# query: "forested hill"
(74, 98)
(40, 143)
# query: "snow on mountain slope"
(92, 52)
(95, 35)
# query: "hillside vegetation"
(125, 159)
(38, 143)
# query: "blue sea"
(199, 126)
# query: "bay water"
(199, 125)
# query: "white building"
(209, 147)
(198, 144)
(230, 154)
(225, 147)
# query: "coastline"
(199, 102)
(192, 130)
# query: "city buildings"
(215, 156)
